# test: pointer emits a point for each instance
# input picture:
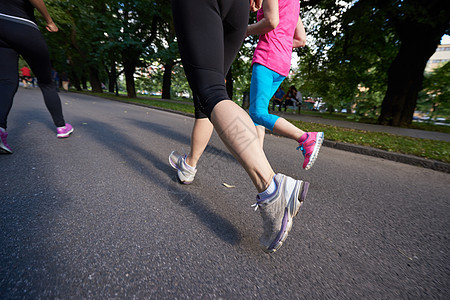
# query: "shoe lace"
(258, 203)
(302, 143)
(181, 161)
(301, 149)
(306, 143)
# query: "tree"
(385, 43)
(132, 34)
(340, 58)
(77, 41)
(428, 20)
(435, 96)
(167, 48)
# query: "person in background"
(299, 101)
(294, 98)
(17, 28)
(277, 98)
(55, 78)
(26, 76)
(65, 81)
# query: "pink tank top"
(274, 49)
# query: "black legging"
(209, 34)
(15, 39)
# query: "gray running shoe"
(185, 173)
(279, 210)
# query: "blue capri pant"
(264, 84)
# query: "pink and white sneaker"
(310, 148)
(4, 147)
(65, 131)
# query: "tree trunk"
(75, 81)
(167, 79)
(405, 75)
(129, 67)
(112, 78)
(95, 80)
(229, 84)
(84, 82)
(405, 78)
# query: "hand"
(255, 5)
(51, 26)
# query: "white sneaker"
(185, 172)
(279, 210)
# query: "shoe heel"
(304, 191)
(171, 162)
(302, 196)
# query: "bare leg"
(201, 133)
(287, 129)
(238, 132)
(261, 131)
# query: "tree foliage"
(359, 52)
(378, 44)
(435, 96)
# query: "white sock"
(189, 167)
(269, 191)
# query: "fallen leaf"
(227, 185)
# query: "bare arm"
(40, 6)
(270, 20)
(299, 35)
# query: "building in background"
(439, 58)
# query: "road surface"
(101, 215)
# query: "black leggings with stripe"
(26, 40)
(210, 34)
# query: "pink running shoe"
(4, 147)
(310, 148)
(65, 131)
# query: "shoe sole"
(287, 222)
(314, 154)
(5, 150)
(64, 135)
(174, 165)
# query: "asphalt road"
(100, 215)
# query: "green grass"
(186, 107)
(344, 117)
(430, 127)
(431, 149)
(182, 107)
(338, 116)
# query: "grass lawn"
(437, 150)
(344, 117)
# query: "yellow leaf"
(227, 185)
